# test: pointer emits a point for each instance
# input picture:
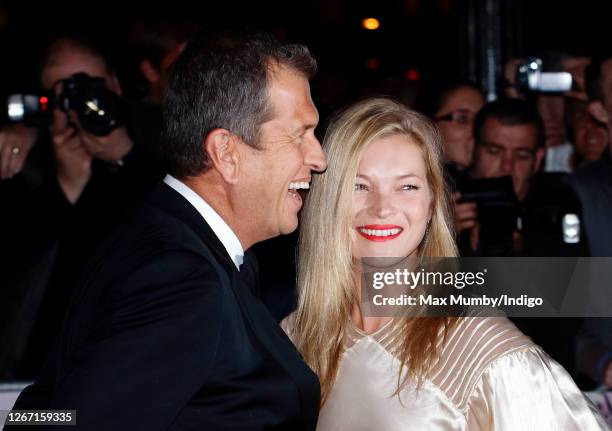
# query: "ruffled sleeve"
(527, 390)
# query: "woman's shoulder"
(469, 348)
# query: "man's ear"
(149, 71)
(222, 149)
(539, 158)
(599, 112)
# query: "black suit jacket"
(165, 333)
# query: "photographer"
(79, 179)
(508, 138)
(509, 145)
(552, 105)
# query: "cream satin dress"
(489, 376)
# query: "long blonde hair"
(326, 278)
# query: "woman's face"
(391, 200)
(456, 119)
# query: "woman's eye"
(359, 186)
(409, 187)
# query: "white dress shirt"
(225, 234)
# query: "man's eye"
(523, 155)
(359, 186)
(493, 150)
(409, 187)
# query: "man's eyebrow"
(493, 144)
(311, 124)
(304, 127)
(501, 147)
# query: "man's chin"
(289, 230)
(289, 226)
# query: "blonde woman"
(384, 195)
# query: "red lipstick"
(379, 232)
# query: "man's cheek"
(490, 166)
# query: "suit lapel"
(169, 200)
(273, 339)
(244, 285)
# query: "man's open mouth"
(298, 189)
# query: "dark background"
(430, 37)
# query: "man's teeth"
(299, 185)
(380, 232)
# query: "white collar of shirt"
(225, 234)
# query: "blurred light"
(413, 75)
(16, 111)
(370, 24)
(571, 229)
(93, 106)
(43, 100)
(373, 64)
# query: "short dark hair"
(221, 81)
(509, 112)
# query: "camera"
(98, 109)
(531, 77)
(548, 219)
(498, 209)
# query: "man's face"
(288, 153)
(508, 150)
(590, 137)
(64, 63)
(602, 110)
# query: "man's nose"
(314, 156)
(507, 163)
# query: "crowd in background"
(65, 185)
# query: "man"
(593, 184)
(85, 183)
(156, 43)
(165, 332)
(509, 140)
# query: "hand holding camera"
(98, 109)
(466, 217)
(524, 76)
(86, 121)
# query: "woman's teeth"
(380, 232)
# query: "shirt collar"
(225, 234)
